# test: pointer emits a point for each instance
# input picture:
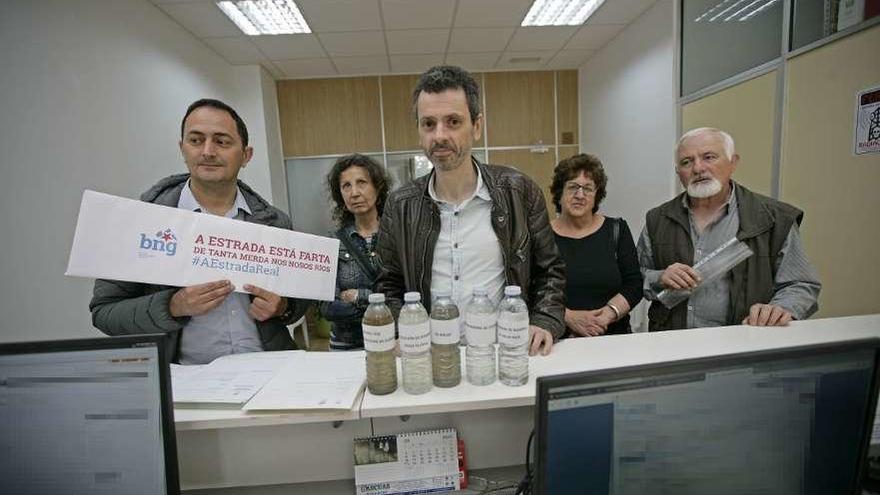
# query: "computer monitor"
(791, 421)
(90, 416)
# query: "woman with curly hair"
(358, 187)
(603, 280)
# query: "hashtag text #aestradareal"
(217, 264)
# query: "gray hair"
(726, 139)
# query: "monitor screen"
(793, 421)
(89, 416)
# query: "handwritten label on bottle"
(445, 331)
(378, 338)
(513, 329)
(480, 329)
(415, 339)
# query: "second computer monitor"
(793, 421)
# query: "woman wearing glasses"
(603, 280)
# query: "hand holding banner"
(123, 239)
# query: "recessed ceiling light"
(560, 12)
(255, 17)
(524, 60)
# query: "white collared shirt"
(467, 253)
(228, 328)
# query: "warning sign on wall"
(867, 124)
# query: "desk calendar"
(419, 462)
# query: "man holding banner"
(211, 320)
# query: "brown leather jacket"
(410, 226)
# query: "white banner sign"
(123, 239)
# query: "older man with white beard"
(772, 287)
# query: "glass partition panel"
(408, 165)
(311, 208)
(721, 38)
(813, 20)
(310, 205)
(401, 167)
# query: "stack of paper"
(272, 381)
(228, 381)
(314, 381)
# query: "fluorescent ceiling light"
(255, 17)
(560, 12)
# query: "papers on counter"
(228, 381)
(264, 381)
(180, 372)
(314, 381)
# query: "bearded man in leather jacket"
(469, 224)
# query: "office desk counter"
(210, 419)
(613, 351)
(216, 450)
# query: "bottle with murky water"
(513, 338)
(445, 334)
(480, 319)
(414, 333)
(378, 328)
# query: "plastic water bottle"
(513, 338)
(445, 334)
(462, 332)
(462, 342)
(480, 321)
(415, 345)
(378, 328)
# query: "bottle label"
(480, 329)
(416, 338)
(378, 338)
(513, 329)
(445, 331)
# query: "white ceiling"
(369, 37)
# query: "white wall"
(627, 112)
(277, 169)
(92, 93)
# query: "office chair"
(302, 323)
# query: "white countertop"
(202, 418)
(571, 355)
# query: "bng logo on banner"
(163, 241)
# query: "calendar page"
(420, 462)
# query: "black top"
(594, 274)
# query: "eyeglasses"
(573, 187)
